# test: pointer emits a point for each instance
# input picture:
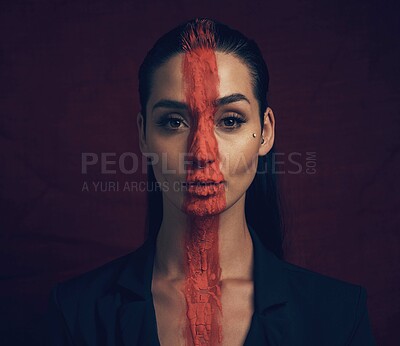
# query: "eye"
(175, 123)
(231, 121)
(172, 122)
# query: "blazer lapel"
(271, 293)
(131, 323)
(276, 325)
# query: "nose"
(203, 149)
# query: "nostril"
(200, 158)
(200, 164)
(200, 153)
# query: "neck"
(234, 243)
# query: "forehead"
(233, 74)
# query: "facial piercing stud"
(254, 135)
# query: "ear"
(142, 133)
(268, 133)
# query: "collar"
(270, 281)
(136, 275)
(270, 297)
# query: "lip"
(203, 182)
(204, 188)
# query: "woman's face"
(178, 140)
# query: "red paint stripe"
(202, 287)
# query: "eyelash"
(165, 122)
(238, 119)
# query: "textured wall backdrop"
(69, 87)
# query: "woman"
(210, 272)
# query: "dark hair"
(263, 211)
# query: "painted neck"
(235, 244)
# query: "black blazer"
(113, 305)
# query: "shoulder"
(316, 285)
(94, 281)
(85, 289)
(327, 306)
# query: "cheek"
(239, 158)
(168, 154)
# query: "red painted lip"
(204, 188)
(203, 182)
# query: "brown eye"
(232, 122)
(172, 122)
(229, 122)
(175, 123)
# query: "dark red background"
(69, 86)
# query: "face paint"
(205, 196)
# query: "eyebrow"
(218, 102)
